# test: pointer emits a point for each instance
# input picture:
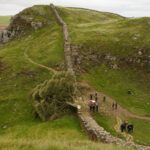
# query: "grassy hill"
(106, 33)
(19, 129)
(4, 20)
(101, 32)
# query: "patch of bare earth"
(2, 28)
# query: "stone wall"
(67, 49)
(86, 57)
(98, 133)
(94, 131)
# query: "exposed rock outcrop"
(18, 26)
(85, 56)
(94, 131)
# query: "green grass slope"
(106, 33)
(4, 20)
(19, 129)
(111, 34)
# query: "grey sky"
(129, 8)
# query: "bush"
(49, 98)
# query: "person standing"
(93, 105)
(113, 105)
(122, 127)
(116, 105)
(91, 96)
(90, 105)
(96, 106)
(126, 125)
(104, 99)
(96, 102)
(96, 95)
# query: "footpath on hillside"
(38, 64)
(94, 131)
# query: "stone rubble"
(97, 133)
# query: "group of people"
(94, 107)
(93, 103)
(125, 127)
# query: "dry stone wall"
(86, 57)
(98, 133)
(67, 49)
(95, 132)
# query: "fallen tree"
(49, 98)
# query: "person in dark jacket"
(104, 99)
(116, 105)
(130, 128)
(91, 96)
(123, 126)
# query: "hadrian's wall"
(67, 49)
(94, 131)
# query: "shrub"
(50, 97)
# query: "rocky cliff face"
(85, 57)
(18, 26)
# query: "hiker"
(116, 105)
(96, 102)
(96, 106)
(96, 97)
(113, 105)
(91, 96)
(104, 99)
(130, 128)
(92, 105)
(122, 127)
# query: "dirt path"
(107, 106)
(98, 133)
(2, 27)
(120, 110)
(95, 131)
(37, 64)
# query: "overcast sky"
(129, 8)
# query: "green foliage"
(50, 97)
(18, 128)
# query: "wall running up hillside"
(93, 129)
(67, 49)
